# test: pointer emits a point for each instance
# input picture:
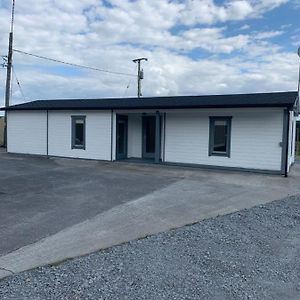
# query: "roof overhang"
(277, 99)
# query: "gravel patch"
(251, 254)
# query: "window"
(219, 136)
(78, 132)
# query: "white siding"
(27, 132)
(255, 138)
(134, 135)
(98, 135)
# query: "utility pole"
(299, 73)
(8, 70)
(140, 75)
(297, 104)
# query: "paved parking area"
(39, 196)
(54, 209)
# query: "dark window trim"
(74, 119)
(211, 136)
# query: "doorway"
(148, 137)
(122, 137)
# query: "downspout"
(157, 138)
(164, 145)
(111, 135)
(287, 143)
(47, 146)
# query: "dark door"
(148, 137)
(122, 125)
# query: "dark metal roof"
(277, 99)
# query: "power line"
(127, 86)
(73, 64)
(18, 83)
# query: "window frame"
(73, 144)
(211, 151)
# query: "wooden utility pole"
(140, 75)
(8, 71)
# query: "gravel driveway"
(252, 254)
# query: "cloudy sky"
(193, 46)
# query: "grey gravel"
(251, 254)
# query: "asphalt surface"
(251, 254)
(40, 196)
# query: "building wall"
(1, 130)
(98, 134)
(255, 138)
(134, 135)
(27, 132)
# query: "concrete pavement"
(40, 197)
(194, 195)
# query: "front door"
(122, 126)
(148, 137)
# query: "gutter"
(152, 107)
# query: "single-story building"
(251, 132)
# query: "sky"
(194, 47)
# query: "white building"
(251, 132)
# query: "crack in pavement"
(7, 270)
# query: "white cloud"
(245, 27)
(267, 34)
(207, 12)
(212, 39)
(88, 32)
(296, 4)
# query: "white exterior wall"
(27, 132)
(256, 134)
(134, 135)
(97, 139)
(255, 138)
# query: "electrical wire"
(129, 83)
(73, 64)
(127, 87)
(18, 83)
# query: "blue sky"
(193, 47)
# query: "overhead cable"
(73, 64)
(18, 83)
